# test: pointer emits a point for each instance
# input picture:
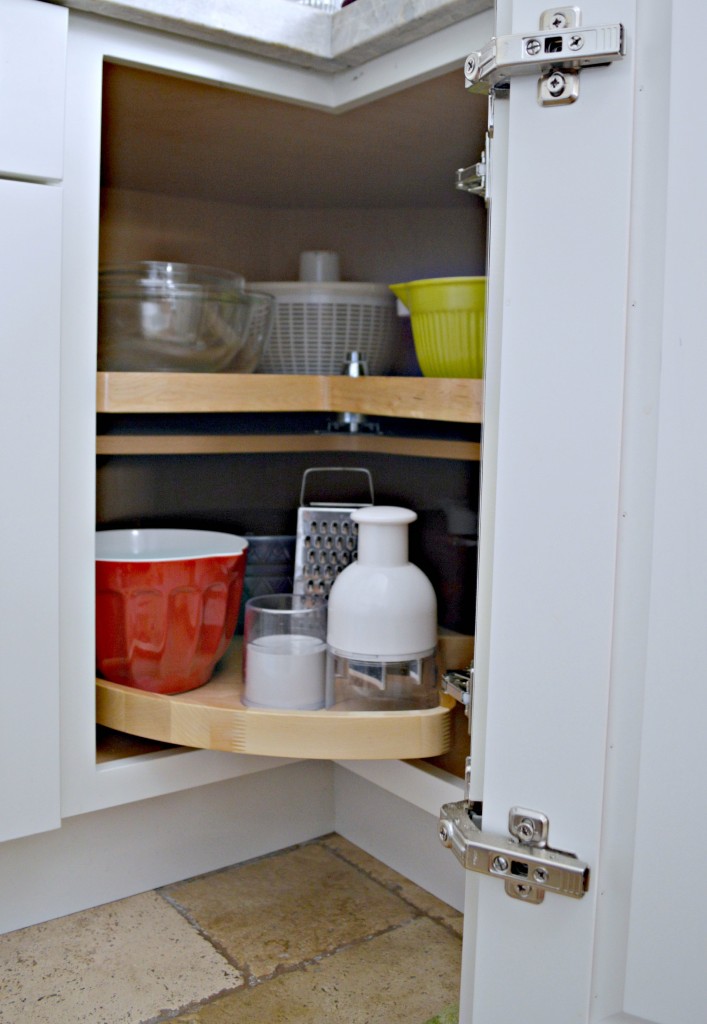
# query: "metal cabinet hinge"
(459, 684)
(523, 860)
(476, 178)
(556, 53)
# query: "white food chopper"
(382, 622)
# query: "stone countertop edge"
(290, 32)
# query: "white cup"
(319, 265)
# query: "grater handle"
(335, 469)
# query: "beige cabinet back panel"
(385, 245)
(199, 173)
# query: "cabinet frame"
(86, 785)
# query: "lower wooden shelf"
(213, 717)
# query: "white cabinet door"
(30, 265)
(32, 72)
(591, 640)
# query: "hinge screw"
(525, 830)
(499, 864)
(523, 891)
(470, 66)
(559, 20)
(576, 42)
(540, 875)
(445, 835)
(532, 47)
(556, 84)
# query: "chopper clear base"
(360, 684)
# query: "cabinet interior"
(205, 174)
(195, 172)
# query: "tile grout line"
(389, 887)
(318, 841)
(251, 980)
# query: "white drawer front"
(32, 77)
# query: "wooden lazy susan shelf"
(458, 400)
(214, 718)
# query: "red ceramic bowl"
(167, 604)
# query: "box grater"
(327, 537)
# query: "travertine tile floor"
(317, 933)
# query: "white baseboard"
(107, 855)
(397, 827)
(388, 808)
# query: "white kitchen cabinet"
(99, 852)
(32, 70)
(590, 648)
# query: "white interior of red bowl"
(165, 545)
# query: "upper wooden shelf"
(213, 717)
(418, 398)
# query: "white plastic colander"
(317, 325)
